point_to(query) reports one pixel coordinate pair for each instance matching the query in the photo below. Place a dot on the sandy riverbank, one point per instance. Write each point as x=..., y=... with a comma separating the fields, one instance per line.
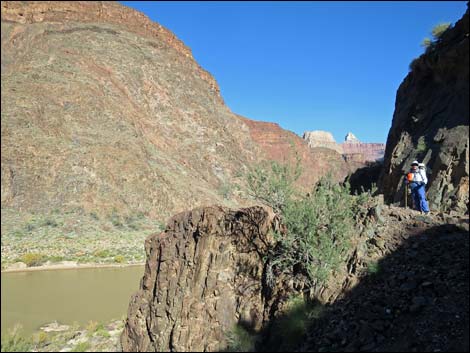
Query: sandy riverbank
x=66, y=265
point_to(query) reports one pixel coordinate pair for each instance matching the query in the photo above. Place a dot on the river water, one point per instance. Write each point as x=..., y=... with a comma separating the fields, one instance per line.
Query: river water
x=35, y=298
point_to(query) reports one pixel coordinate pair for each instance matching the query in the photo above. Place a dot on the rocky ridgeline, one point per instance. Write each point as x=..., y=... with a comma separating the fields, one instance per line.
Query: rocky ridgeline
x=431, y=123
x=352, y=149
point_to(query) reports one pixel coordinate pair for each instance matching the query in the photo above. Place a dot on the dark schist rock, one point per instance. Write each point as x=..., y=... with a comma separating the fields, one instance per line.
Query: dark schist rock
x=203, y=276
x=431, y=123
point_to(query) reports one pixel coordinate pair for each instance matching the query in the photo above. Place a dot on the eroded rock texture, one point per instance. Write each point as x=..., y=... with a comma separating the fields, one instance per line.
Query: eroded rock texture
x=431, y=121
x=203, y=276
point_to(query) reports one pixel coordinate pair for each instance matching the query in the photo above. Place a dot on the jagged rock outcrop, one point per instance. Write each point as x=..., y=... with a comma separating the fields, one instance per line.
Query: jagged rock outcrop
x=282, y=145
x=203, y=276
x=351, y=138
x=320, y=138
x=431, y=123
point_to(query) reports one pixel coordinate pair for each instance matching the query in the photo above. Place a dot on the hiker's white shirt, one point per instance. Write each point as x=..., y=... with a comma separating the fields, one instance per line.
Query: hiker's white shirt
x=420, y=175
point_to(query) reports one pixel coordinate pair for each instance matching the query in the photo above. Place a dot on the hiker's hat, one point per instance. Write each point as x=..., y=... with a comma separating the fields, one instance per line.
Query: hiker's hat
x=415, y=163
x=421, y=165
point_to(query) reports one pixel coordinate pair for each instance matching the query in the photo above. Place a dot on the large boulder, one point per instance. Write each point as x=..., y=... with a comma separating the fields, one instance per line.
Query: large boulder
x=203, y=276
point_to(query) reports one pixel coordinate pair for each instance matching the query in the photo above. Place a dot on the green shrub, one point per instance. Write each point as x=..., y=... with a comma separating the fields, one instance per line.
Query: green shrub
x=40, y=338
x=18, y=234
x=116, y=219
x=103, y=253
x=33, y=259
x=426, y=42
x=436, y=32
x=373, y=268
x=30, y=227
x=421, y=145
x=14, y=342
x=319, y=228
x=439, y=29
x=50, y=222
x=273, y=183
x=290, y=328
x=119, y=259
x=56, y=258
x=92, y=326
x=81, y=347
x=240, y=340
x=101, y=331
x=225, y=190
x=318, y=225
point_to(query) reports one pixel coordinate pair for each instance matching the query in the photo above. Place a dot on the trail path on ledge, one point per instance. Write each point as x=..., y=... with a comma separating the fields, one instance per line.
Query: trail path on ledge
x=415, y=295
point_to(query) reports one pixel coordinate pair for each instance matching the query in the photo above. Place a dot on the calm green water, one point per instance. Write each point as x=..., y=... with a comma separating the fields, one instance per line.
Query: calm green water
x=67, y=296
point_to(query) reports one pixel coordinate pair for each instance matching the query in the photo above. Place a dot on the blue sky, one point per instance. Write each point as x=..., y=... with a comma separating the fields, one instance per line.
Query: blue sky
x=333, y=66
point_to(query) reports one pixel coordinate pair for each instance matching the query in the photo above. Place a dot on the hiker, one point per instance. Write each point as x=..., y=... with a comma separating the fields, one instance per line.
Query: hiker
x=417, y=180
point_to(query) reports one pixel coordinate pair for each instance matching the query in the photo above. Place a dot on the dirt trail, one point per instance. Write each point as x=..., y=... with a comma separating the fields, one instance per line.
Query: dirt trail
x=416, y=299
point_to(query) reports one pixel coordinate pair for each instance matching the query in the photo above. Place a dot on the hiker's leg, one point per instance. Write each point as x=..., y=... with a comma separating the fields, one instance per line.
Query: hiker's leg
x=415, y=196
x=422, y=199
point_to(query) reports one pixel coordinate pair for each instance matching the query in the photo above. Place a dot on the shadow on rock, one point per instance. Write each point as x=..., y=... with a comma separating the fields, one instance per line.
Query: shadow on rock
x=416, y=299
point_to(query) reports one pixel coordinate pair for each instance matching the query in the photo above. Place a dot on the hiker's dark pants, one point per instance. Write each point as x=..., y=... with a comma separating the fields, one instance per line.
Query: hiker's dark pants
x=419, y=197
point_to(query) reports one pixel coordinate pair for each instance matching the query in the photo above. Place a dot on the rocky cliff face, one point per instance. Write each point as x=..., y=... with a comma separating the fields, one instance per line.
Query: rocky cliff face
x=278, y=144
x=366, y=152
x=431, y=123
x=320, y=138
x=203, y=276
x=103, y=109
x=352, y=149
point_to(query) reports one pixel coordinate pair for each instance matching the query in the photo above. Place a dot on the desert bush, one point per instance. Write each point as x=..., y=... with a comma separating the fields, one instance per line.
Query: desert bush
x=116, y=219
x=373, y=268
x=319, y=228
x=92, y=326
x=119, y=259
x=33, y=259
x=273, y=183
x=436, y=32
x=426, y=42
x=240, y=339
x=81, y=347
x=13, y=341
x=439, y=29
x=40, y=338
x=49, y=222
x=103, y=253
x=421, y=145
x=95, y=216
x=225, y=190
x=290, y=327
